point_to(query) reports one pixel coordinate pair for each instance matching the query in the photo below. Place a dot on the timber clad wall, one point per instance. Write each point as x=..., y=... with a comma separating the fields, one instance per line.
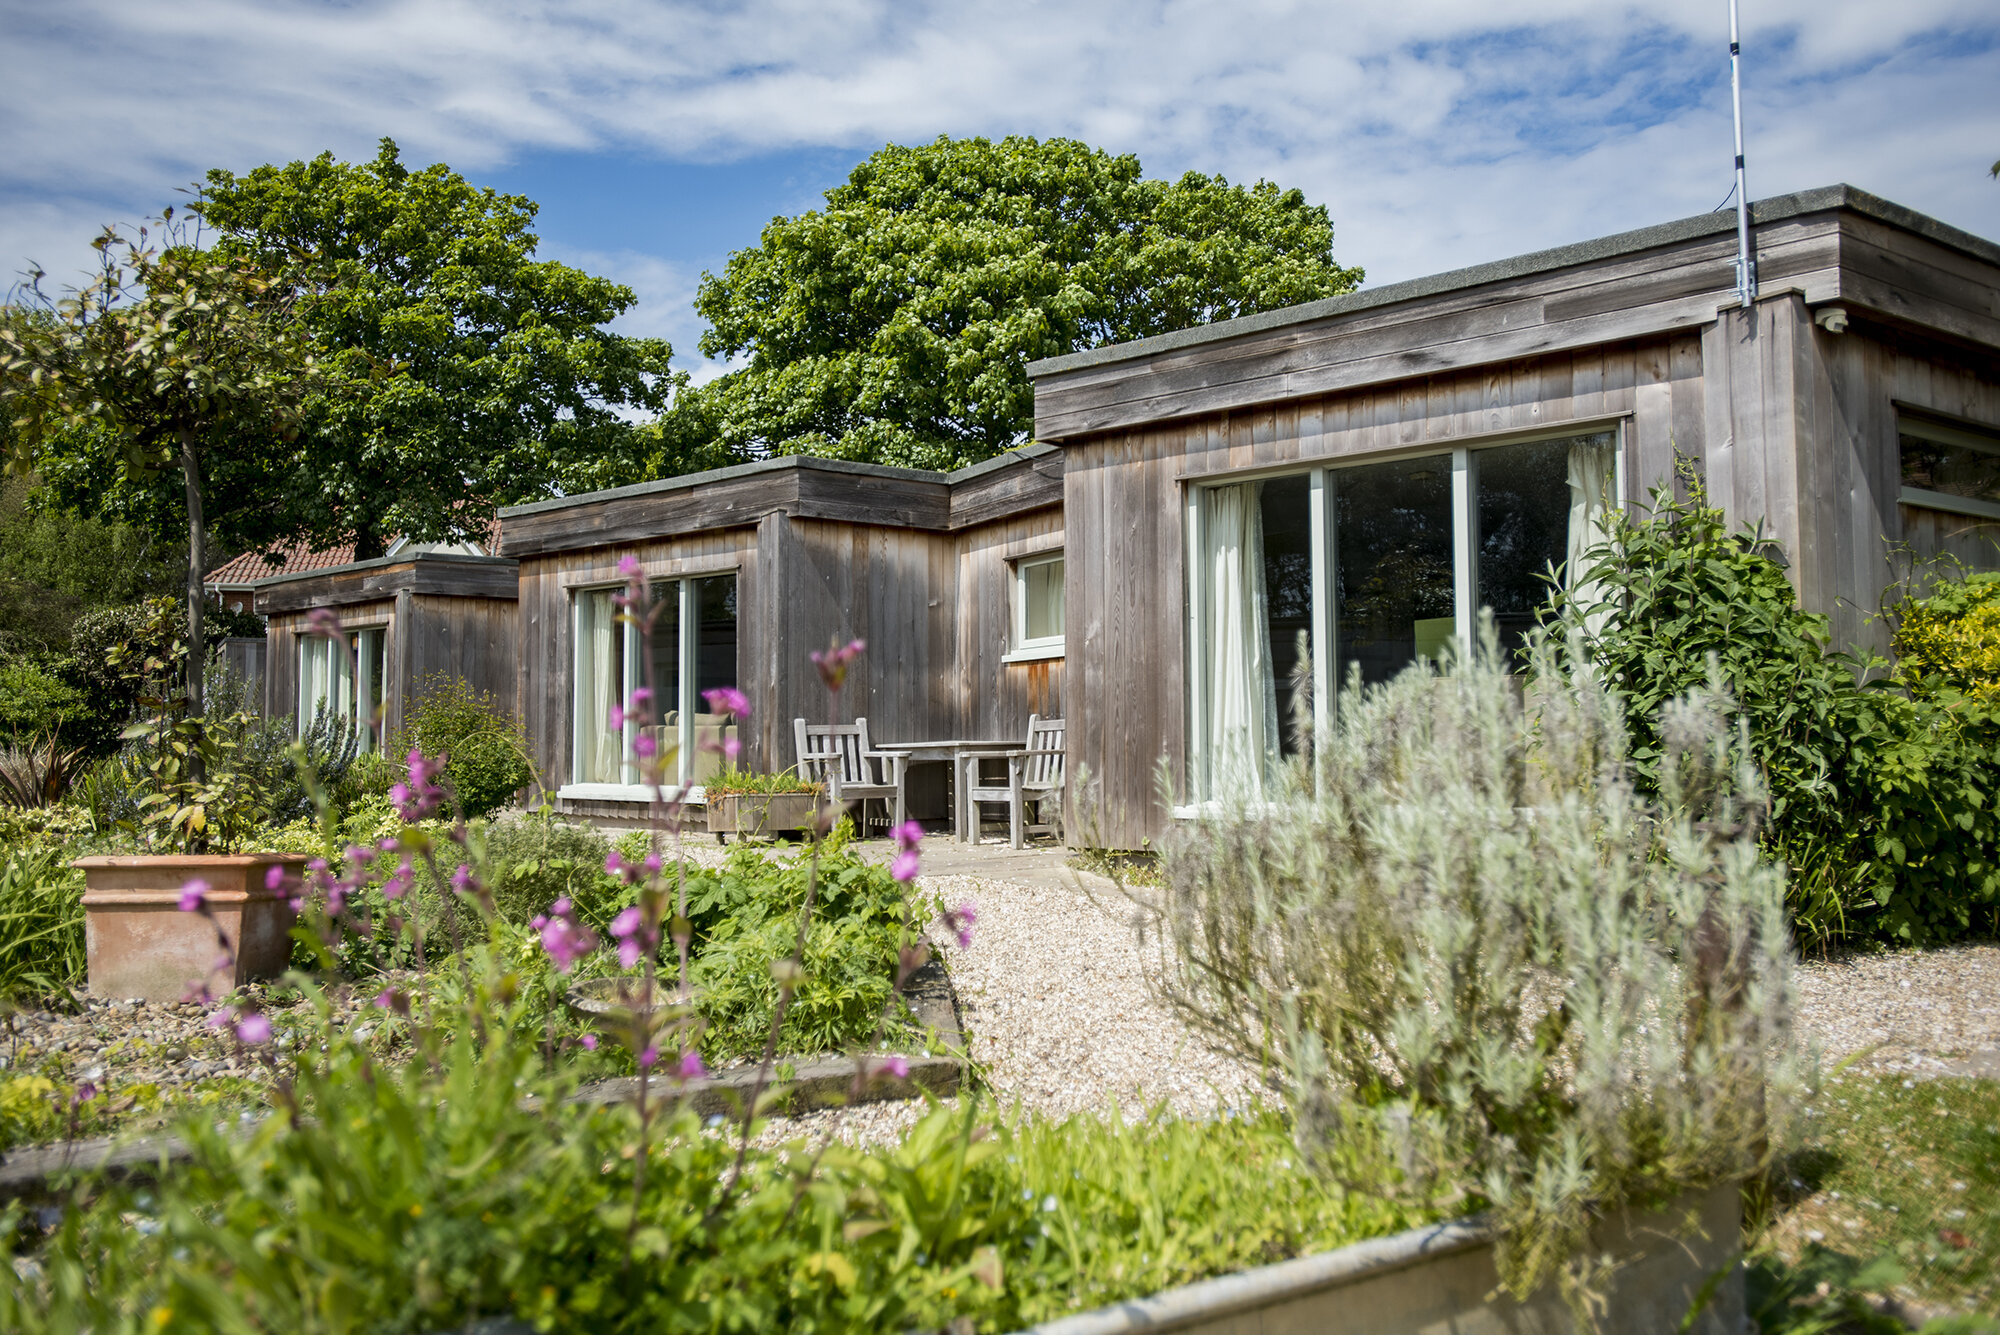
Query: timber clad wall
x=916, y=564
x=442, y=614
x=1791, y=426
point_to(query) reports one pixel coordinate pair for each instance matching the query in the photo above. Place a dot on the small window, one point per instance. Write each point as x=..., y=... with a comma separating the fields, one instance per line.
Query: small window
x=1954, y=468
x=343, y=677
x=1038, y=606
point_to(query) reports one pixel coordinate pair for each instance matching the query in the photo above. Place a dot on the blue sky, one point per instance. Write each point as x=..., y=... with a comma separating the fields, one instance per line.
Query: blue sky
x=659, y=135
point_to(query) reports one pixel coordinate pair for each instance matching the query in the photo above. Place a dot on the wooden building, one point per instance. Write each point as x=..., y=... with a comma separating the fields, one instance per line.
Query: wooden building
x=420, y=613
x=953, y=581
x=1374, y=468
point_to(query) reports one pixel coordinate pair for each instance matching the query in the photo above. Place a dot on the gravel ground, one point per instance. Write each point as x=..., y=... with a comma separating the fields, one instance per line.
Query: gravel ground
x=1923, y=1012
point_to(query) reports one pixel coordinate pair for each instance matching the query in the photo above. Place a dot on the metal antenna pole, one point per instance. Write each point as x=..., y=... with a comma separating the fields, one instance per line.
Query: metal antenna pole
x=1746, y=259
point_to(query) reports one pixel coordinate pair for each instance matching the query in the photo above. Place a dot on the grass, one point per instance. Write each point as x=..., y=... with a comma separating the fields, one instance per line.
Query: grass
x=1893, y=1191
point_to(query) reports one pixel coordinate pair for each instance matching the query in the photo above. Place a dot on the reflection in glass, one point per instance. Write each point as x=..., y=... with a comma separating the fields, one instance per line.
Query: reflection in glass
x=1524, y=503
x=1956, y=467
x=1285, y=510
x=1393, y=567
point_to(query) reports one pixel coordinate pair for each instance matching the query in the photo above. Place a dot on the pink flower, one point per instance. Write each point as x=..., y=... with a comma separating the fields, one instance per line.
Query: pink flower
x=220, y=1020
x=461, y=880
x=626, y=923
x=254, y=1028
x=628, y=565
x=727, y=700
x=629, y=951
x=905, y=866
x=897, y=1067
x=399, y=883
x=562, y=908
x=644, y=746
x=589, y=1042
x=649, y=1058
x=691, y=1067
x=614, y=720
x=960, y=920
x=641, y=697
x=908, y=835
x=274, y=877
x=564, y=939
x=194, y=896
x=323, y=622
x=653, y=864
x=389, y=999
x=832, y=663
x=731, y=748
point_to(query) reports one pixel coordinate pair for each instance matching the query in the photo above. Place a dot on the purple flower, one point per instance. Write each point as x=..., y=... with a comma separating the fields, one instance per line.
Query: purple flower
x=194, y=896
x=461, y=880
x=691, y=1067
x=653, y=864
x=628, y=565
x=629, y=951
x=727, y=700
x=626, y=923
x=898, y=1067
x=641, y=697
x=960, y=920
x=254, y=1028
x=562, y=908
x=274, y=877
x=614, y=720
x=649, y=1058
x=731, y=748
x=832, y=663
x=905, y=866
x=82, y=1094
x=589, y=1042
x=908, y=835
x=399, y=883
x=324, y=622
x=644, y=746
x=220, y=1020
x=564, y=939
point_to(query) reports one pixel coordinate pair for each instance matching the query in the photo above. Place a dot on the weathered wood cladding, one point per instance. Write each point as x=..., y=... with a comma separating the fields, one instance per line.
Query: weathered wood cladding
x=442, y=613
x=917, y=565
x=1828, y=245
x=1792, y=426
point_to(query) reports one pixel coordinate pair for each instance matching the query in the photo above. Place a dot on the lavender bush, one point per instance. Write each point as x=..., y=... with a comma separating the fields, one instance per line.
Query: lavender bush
x=1454, y=926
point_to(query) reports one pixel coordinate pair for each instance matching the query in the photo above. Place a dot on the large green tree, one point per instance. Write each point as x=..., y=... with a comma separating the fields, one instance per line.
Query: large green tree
x=460, y=373
x=897, y=324
x=176, y=367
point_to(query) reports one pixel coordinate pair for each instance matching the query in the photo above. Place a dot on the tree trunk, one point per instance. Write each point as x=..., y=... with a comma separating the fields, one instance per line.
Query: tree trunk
x=197, y=660
x=369, y=544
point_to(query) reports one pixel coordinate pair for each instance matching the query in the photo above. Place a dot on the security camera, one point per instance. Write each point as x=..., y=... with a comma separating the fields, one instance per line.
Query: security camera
x=1833, y=319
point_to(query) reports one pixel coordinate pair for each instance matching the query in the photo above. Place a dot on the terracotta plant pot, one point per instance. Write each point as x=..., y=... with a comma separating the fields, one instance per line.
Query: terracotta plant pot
x=138, y=942
x=760, y=813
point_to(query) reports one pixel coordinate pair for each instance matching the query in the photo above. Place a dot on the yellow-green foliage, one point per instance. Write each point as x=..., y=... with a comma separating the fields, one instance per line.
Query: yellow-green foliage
x=1951, y=640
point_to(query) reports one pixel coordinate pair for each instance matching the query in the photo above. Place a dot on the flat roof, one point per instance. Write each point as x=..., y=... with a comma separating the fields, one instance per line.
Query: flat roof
x=1776, y=209
x=785, y=463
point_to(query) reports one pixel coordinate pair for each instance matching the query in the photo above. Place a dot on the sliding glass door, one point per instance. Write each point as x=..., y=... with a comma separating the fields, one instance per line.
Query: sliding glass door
x=1377, y=566
x=692, y=649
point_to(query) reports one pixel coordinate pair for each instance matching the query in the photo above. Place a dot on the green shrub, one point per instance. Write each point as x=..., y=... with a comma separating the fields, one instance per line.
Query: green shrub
x=486, y=751
x=1949, y=642
x=41, y=923
x=108, y=649
x=535, y=860
x=35, y=702
x=1882, y=805
x=423, y=1197
x=1461, y=926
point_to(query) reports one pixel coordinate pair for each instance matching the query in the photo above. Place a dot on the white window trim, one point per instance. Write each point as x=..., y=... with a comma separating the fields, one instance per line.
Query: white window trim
x=628, y=792
x=1970, y=506
x=631, y=790
x=1024, y=649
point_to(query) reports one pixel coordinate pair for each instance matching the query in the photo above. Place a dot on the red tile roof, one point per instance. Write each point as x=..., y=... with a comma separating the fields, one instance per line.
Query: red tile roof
x=294, y=558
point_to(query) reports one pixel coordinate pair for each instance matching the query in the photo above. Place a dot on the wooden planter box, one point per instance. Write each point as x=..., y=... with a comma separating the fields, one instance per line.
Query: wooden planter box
x=138, y=942
x=760, y=813
x=1441, y=1278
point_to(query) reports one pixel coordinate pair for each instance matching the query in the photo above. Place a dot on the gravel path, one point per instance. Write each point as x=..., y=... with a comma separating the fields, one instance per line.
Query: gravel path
x=1924, y=1012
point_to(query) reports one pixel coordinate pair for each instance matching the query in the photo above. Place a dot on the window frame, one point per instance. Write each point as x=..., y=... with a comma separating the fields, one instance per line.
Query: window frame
x=1023, y=648
x=1324, y=479
x=356, y=677
x=1967, y=436
x=629, y=788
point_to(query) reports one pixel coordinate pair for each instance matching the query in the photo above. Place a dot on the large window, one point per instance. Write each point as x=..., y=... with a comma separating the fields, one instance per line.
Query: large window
x=343, y=677
x=692, y=649
x=1370, y=568
x=1038, y=607
x=1950, y=467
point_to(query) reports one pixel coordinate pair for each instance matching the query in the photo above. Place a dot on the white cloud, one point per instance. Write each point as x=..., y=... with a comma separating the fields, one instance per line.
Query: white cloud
x=1440, y=132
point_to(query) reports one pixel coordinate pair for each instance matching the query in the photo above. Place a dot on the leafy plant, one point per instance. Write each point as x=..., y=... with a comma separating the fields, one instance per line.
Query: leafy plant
x=1460, y=927
x=41, y=923
x=1949, y=641
x=35, y=701
x=37, y=774
x=1882, y=803
x=735, y=781
x=485, y=751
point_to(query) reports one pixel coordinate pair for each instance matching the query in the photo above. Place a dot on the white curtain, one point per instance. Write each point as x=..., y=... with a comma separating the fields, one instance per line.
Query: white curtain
x=1592, y=468
x=313, y=679
x=1242, y=716
x=599, y=748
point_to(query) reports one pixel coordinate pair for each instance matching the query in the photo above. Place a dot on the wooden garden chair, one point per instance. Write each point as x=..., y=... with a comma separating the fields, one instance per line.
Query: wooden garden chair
x=839, y=756
x=1034, y=776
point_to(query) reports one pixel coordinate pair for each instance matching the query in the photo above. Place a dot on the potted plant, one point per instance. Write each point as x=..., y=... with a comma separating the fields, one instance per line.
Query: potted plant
x=744, y=804
x=193, y=910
